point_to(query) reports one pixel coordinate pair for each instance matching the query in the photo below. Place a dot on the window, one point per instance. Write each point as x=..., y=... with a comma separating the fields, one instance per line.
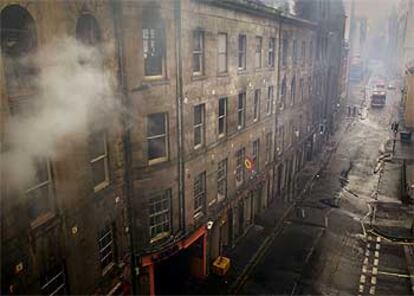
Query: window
x=160, y=215
x=285, y=48
x=54, y=282
x=199, y=194
x=87, y=30
x=40, y=194
x=256, y=105
x=255, y=154
x=105, y=244
x=268, y=147
x=271, y=53
x=198, y=52
x=18, y=39
x=199, y=125
x=303, y=52
x=283, y=93
x=269, y=100
x=310, y=52
x=293, y=91
x=241, y=110
x=301, y=86
x=281, y=139
x=222, y=180
x=157, y=139
x=99, y=160
x=240, y=156
x=222, y=52
x=153, y=49
x=222, y=117
x=242, y=52
x=258, y=53
x=294, y=51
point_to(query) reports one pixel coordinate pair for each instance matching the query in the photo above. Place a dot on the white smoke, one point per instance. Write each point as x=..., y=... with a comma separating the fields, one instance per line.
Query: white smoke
x=73, y=91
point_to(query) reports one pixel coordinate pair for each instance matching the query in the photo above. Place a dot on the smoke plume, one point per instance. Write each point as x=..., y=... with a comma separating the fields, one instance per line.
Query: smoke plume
x=72, y=91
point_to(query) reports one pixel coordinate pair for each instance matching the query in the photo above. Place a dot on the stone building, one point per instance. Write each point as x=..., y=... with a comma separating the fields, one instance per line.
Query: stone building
x=219, y=105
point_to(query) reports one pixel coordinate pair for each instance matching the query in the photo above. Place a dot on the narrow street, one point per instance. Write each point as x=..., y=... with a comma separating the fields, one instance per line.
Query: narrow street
x=323, y=247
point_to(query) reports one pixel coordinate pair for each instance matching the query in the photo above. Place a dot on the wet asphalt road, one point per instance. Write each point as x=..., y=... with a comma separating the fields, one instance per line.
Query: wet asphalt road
x=324, y=251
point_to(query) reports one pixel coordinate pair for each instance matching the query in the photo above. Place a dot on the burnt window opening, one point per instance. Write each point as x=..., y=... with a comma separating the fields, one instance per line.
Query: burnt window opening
x=87, y=30
x=18, y=41
x=153, y=42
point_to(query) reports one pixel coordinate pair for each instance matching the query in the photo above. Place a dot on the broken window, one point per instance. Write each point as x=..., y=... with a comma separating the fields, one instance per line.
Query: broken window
x=199, y=194
x=160, y=215
x=153, y=42
x=256, y=105
x=198, y=52
x=157, y=137
x=241, y=106
x=222, y=117
x=199, y=125
x=222, y=180
x=99, y=159
x=40, y=192
x=258, y=53
x=242, y=52
x=222, y=52
x=18, y=41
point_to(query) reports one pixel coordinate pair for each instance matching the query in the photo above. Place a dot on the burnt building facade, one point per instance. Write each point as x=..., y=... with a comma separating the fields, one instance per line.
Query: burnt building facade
x=220, y=104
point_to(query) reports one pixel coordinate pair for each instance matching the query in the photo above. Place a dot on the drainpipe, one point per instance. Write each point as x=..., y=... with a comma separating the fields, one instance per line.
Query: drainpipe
x=275, y=152
x=119, y=37
x=179, y=114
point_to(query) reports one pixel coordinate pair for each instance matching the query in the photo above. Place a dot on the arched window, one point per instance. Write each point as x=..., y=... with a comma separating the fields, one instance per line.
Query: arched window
x=18, y=40
x=87, y=30
x=153, y=42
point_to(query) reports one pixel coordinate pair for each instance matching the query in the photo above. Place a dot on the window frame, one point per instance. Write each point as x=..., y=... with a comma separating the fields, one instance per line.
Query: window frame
x=241, y=111
x=160, y=198
x=47, y=281
x=105, y=158
x=165, y=135
x=107, y=230
x=270, y=98
x=221, y=179
x=256, y=154
x=198, y=52
x=256, y=104
x=199, y=126
x=225, y=53
x=271, y=53
x=285, y=48
x=222, y=117
x=157, y=31
x=49, y=211
x=242, y=53
x=240, y=169
x=258, y=52
x=268, y=147
x=199, y=198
